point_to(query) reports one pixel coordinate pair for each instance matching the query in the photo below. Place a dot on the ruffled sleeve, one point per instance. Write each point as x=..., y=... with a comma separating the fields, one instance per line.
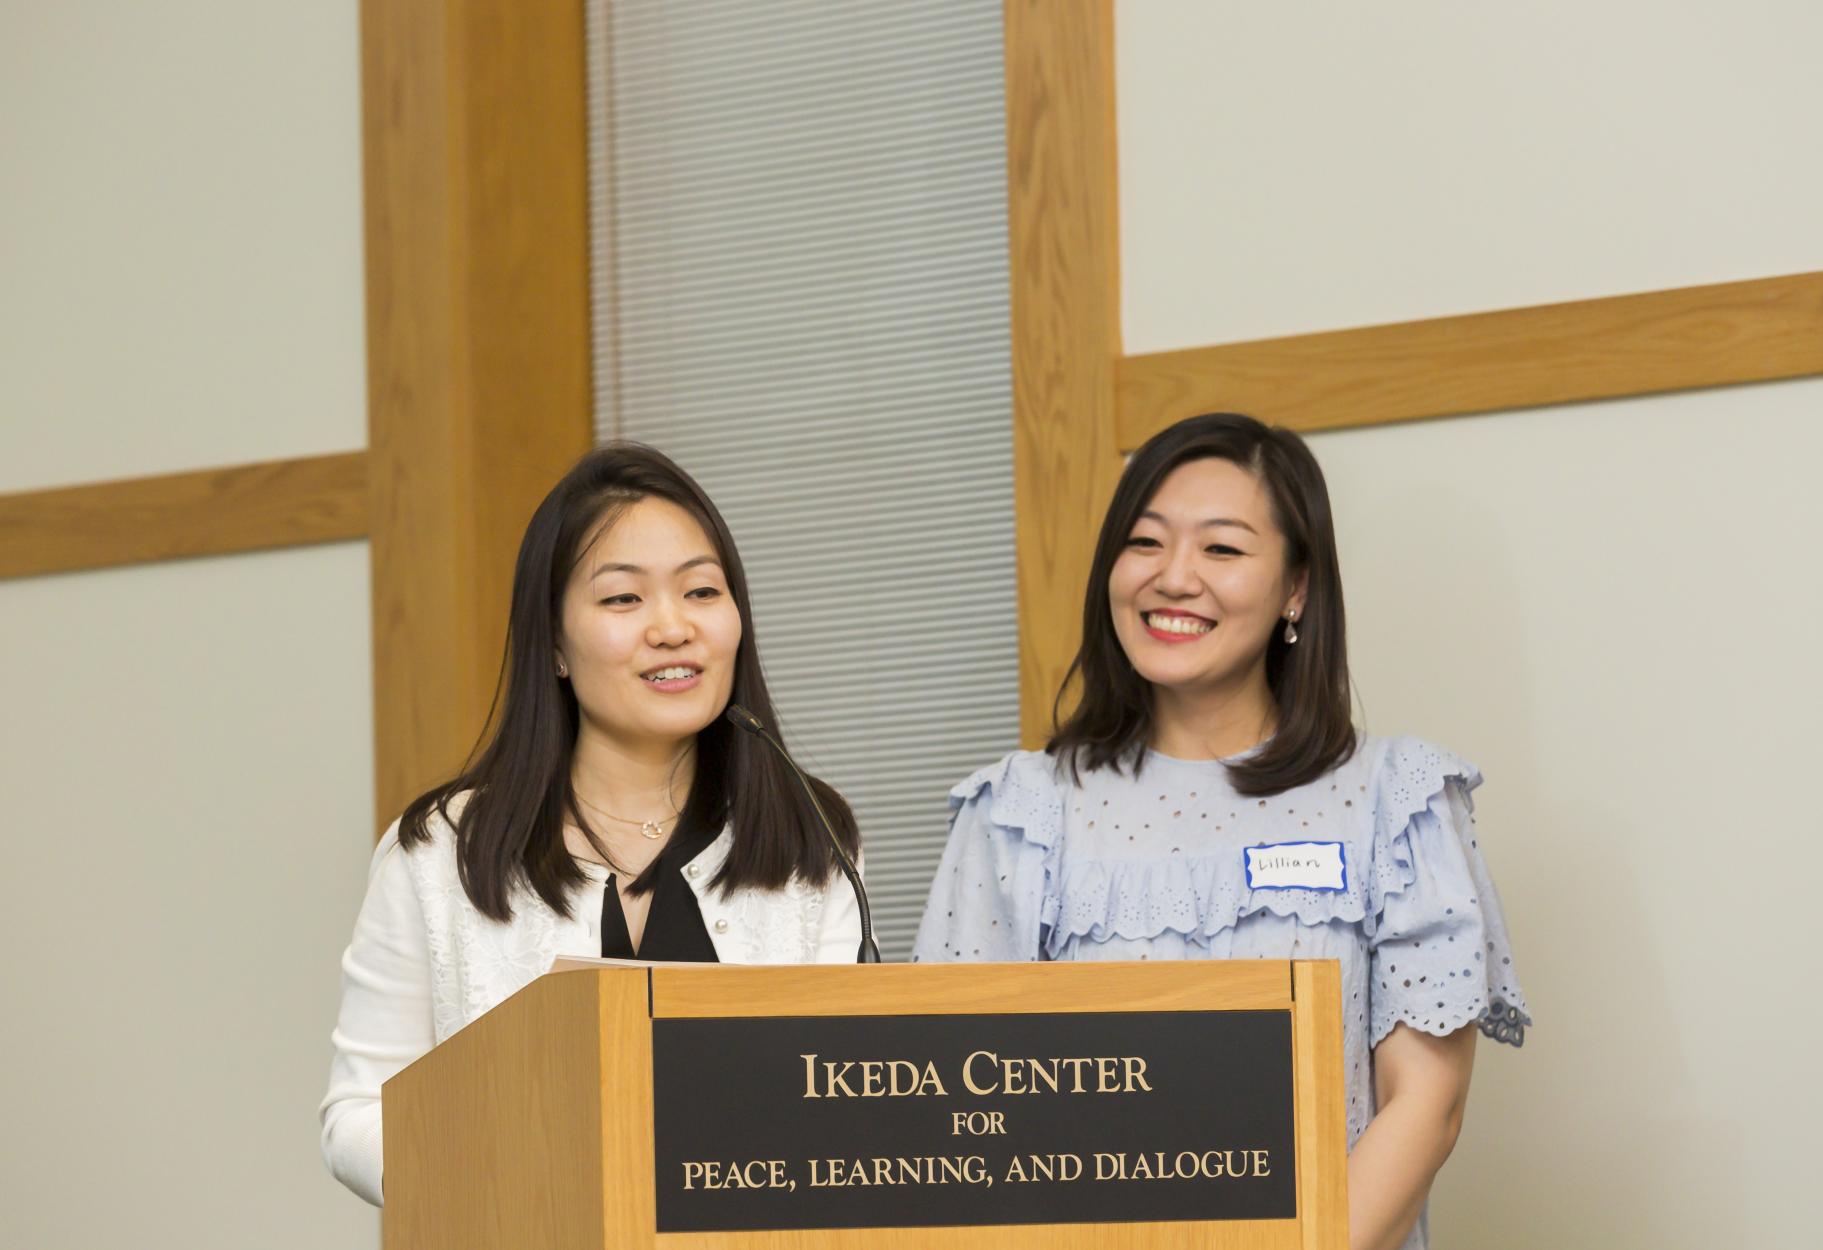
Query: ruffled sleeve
x=988, y=901
x=1437, y=936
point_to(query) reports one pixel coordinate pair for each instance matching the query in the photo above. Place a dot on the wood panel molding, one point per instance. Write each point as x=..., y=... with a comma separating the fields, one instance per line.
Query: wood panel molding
x=1064, y=241
x=475, y=162
x=280, y=503
x=1679, y=339
x=720, y=990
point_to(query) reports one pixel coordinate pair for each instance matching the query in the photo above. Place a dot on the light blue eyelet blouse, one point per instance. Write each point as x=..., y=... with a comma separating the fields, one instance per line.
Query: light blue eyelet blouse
x=1154, y=867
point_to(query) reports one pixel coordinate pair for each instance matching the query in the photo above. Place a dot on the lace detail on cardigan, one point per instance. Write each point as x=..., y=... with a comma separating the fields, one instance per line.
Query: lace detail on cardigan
x=475, y=962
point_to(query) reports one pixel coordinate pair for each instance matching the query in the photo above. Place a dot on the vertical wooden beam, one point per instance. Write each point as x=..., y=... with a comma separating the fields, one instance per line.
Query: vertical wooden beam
x=477, y=327
x=1063, y=203
x=1322, y=1151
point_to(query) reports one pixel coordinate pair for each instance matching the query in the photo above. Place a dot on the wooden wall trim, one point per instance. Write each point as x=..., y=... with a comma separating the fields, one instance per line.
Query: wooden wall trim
x=475, y=182
x=1522, y=358
x=1064, y=241
x=281, y=503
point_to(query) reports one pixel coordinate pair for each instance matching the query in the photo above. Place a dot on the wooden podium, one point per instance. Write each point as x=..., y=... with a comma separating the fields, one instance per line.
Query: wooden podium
x=575, y=1113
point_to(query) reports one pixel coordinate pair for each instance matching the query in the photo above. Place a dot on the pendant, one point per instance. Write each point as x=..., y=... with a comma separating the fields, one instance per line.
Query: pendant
x=651, y=829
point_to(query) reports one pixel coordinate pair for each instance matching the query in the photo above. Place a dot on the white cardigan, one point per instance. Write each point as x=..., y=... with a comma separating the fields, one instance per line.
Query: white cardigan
x=423, y=963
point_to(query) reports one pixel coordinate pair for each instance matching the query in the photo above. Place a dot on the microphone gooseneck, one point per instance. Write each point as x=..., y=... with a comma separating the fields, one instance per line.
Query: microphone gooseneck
x=747, y=722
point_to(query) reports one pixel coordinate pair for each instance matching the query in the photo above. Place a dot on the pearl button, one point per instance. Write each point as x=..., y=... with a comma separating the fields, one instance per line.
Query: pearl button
x=692, y=871
x=721, y=926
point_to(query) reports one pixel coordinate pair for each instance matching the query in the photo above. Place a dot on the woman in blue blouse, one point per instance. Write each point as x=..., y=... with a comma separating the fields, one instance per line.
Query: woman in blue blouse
x=1215, y=725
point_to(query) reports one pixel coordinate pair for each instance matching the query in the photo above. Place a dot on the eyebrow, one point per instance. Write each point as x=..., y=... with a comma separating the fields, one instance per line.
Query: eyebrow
x=685, y=567
x=1212, y=522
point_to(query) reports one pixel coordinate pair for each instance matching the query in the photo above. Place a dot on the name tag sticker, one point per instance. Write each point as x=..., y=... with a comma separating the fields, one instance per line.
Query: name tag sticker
x=1297, y=866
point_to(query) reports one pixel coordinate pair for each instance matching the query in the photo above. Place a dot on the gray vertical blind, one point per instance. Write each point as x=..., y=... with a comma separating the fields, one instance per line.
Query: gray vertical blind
x=801, y=294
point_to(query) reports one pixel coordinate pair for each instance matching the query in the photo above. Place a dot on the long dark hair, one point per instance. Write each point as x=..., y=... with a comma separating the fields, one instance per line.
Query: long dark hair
x=509, y=831
x=1309, y=680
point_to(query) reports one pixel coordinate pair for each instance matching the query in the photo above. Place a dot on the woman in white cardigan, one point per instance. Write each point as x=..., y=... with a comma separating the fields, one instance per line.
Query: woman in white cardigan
x=613, y=811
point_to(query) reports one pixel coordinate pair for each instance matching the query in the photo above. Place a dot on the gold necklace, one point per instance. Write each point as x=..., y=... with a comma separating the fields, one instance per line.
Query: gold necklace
x=652, y=830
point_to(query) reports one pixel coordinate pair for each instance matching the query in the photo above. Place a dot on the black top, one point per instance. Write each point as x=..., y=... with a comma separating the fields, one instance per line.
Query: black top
x=675, y=932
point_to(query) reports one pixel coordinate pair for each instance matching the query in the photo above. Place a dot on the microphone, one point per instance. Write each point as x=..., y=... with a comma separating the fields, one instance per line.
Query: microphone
x=749, y=723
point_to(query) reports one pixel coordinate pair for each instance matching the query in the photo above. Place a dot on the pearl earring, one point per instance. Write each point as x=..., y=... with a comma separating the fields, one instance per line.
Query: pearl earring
x=563, y=670
x=1291, y=627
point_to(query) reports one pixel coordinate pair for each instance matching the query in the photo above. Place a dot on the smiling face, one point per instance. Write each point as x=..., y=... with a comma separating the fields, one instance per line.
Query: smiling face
x=1202, y=583
x=649, y=630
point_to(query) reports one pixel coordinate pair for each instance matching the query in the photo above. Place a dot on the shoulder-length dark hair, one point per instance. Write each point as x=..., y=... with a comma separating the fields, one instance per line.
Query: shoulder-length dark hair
x=1112, y=724
x=509, y=830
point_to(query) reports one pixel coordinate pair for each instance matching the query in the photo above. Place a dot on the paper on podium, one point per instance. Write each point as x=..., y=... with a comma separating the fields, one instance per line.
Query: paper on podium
x=582, y=963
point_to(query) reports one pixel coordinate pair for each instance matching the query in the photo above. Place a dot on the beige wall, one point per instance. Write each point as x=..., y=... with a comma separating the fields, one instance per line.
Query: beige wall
x=1608, y=607
x=1287, y=168
x=185, y=816
x=186, y=784
x=180, y=236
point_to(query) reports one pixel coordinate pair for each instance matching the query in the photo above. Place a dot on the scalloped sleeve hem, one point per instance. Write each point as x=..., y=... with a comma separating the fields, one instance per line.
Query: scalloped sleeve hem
x=1440, y=954
x=988, y=899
